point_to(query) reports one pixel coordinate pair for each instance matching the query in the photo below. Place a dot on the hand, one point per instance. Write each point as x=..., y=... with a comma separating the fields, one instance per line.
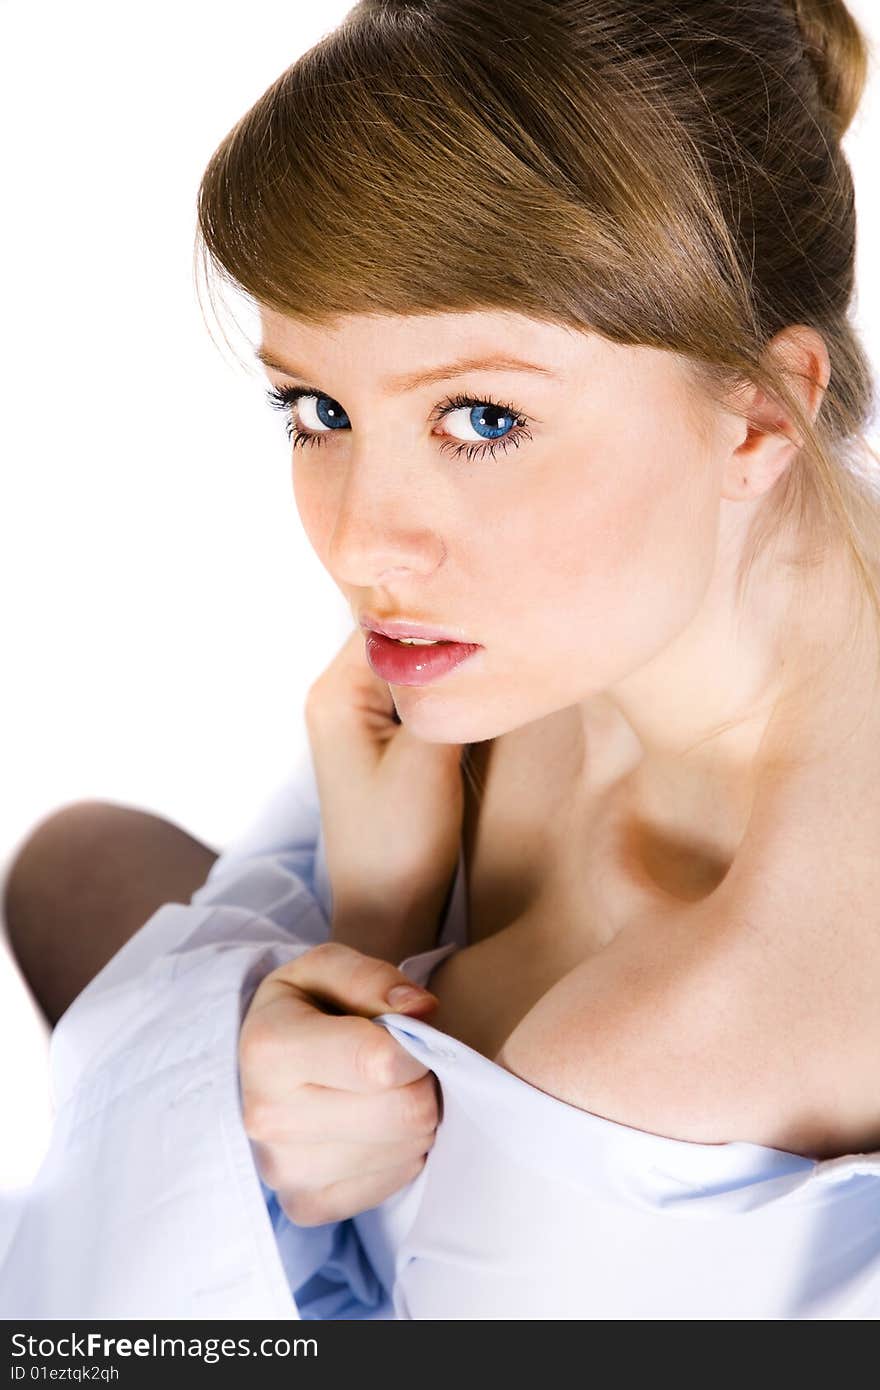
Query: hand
x=392, y=807
x=338, y=1113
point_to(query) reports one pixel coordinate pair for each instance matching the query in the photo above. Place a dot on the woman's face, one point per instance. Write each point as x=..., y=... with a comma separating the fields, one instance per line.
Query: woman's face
x=577, y=552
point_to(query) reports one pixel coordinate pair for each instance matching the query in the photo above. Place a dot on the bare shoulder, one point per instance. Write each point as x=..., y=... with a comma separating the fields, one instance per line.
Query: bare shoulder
x=750, y=1014
x=724, y=1020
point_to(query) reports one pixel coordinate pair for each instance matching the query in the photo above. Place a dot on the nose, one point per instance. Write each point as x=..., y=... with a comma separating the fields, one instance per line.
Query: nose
x=385, y=526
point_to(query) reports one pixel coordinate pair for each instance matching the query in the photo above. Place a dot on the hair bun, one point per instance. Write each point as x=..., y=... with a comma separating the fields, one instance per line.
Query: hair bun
x=836, y=48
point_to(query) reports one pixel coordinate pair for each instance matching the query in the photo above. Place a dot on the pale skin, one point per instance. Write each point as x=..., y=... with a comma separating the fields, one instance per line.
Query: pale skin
x=672, y=872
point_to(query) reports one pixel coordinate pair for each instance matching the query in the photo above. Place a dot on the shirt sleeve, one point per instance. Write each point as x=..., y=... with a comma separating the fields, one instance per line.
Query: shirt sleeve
x=148, y=1202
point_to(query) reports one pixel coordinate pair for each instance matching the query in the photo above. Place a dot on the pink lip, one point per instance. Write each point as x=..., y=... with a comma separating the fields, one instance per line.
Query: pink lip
x=399, y=627
x=400, y=665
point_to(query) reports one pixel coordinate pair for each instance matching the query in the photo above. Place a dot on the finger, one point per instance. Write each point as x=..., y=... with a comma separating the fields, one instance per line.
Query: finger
x=397, y=1113
x=348, y=1197
x=295, y=1164
x=290, y=1042
x=349, y=980
x=348, y=684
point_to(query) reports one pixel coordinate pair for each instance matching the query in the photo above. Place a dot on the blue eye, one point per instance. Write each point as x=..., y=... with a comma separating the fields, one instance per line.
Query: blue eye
x=497, y=425
x=504, y=425
x=480, y=417
x=329, y=412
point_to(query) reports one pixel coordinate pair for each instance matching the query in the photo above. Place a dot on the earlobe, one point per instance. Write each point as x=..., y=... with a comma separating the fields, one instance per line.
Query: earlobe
x=772, y=441
x=755, y=465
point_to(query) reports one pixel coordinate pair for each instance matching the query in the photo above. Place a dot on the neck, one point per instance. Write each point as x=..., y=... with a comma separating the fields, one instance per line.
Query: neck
x=745, y=699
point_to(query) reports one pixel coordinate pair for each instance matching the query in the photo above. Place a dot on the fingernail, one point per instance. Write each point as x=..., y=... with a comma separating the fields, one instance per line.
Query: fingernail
x=408, y=996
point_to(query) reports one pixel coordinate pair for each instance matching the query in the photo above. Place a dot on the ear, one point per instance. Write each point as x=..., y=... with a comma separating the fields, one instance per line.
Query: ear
x=771, y=442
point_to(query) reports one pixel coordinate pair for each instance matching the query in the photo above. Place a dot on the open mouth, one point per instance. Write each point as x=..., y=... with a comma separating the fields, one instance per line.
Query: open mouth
x=415, y=661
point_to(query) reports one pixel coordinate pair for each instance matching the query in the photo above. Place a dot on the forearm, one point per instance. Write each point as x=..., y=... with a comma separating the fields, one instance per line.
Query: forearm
x=393, y=928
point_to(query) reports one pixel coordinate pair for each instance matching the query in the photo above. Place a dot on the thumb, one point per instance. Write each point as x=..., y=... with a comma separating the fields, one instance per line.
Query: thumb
x=354, y=983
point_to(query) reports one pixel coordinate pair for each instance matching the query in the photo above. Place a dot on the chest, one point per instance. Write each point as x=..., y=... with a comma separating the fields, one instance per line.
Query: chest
x=779, y=984
x=551, y=879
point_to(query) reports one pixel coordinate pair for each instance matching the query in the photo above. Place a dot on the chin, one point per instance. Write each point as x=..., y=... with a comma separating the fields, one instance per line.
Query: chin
x=435, y=716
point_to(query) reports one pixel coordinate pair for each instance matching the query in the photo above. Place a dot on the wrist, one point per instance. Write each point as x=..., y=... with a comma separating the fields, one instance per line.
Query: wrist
x=392, y=929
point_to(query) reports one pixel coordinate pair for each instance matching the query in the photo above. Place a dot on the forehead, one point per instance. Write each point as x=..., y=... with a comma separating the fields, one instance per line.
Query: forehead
x=399, y=335
x=406, y=350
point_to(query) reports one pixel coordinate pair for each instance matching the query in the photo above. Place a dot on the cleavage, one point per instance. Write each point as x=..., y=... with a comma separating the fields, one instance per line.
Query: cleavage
x=546, y=888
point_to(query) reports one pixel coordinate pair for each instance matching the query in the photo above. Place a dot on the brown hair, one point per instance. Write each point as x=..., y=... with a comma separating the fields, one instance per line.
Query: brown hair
x=664, y=175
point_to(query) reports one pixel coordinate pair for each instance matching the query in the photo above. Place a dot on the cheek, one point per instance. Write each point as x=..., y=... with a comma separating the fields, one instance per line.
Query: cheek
x=652, y=547
x=618, y=541
x=315, y=507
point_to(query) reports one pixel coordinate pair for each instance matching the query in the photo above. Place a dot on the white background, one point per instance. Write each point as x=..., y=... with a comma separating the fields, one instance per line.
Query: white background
x=163, y=613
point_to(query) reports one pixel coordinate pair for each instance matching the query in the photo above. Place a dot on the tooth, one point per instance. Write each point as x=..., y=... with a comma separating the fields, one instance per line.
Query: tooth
x=418, y=641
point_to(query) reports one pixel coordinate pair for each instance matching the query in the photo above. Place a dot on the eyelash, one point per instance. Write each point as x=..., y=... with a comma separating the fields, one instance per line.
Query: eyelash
x=286, y=398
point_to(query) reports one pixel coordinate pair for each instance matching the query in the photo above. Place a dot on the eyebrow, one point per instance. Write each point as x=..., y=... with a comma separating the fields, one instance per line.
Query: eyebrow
x=410, y=381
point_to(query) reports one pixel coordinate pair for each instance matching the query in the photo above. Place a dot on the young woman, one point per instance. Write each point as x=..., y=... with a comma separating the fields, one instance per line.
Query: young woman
x=555, y=298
